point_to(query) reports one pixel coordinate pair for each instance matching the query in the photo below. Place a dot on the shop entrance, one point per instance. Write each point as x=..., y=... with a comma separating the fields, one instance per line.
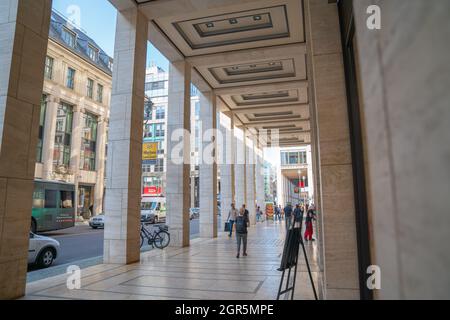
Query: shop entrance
x=85, y=201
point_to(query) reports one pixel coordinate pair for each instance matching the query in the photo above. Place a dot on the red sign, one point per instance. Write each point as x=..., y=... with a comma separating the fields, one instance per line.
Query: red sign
x=153, y=190
x=301, y=184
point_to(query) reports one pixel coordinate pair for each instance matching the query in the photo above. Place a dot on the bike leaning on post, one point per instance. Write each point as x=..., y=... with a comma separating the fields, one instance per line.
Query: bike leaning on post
x=159, y=238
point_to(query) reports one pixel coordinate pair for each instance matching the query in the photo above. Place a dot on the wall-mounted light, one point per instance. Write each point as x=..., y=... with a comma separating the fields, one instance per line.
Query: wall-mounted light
x=257, y=18
x=210, y=25
x=233, y=21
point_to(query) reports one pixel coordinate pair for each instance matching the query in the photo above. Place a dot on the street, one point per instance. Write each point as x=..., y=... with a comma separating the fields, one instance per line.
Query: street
x=77, y=243
x=82, y=242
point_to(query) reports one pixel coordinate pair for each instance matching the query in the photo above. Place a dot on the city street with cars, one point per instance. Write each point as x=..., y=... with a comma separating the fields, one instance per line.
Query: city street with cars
x=84, y=242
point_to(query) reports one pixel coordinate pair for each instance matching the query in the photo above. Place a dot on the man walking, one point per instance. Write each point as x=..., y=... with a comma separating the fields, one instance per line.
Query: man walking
x=277, y=213
x=246, y=213
x=232, y=214
x=288, y=215
x=298, y=213
x=242, y=222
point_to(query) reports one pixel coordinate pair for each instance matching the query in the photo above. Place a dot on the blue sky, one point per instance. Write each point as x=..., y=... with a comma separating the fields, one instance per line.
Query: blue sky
x=98, y=19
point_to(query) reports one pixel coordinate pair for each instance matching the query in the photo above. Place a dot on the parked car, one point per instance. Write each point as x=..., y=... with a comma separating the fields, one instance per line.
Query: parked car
x=42, y=251
x=97, y=221
x=148, y=217
x=194, y=213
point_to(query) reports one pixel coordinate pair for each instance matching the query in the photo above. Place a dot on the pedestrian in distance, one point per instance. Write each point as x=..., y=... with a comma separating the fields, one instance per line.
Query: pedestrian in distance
x=232, y=215
x=288, y=215
x=277, y=213
x=298, y=213
x=246, y=213
x=310, y=217
x=242, y=222
x=259, y=214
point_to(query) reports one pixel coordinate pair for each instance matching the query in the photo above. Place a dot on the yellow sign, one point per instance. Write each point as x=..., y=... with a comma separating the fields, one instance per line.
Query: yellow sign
x=150, y=151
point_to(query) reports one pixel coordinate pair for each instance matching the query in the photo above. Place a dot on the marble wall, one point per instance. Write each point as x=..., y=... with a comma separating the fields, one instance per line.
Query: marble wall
x=405, y=80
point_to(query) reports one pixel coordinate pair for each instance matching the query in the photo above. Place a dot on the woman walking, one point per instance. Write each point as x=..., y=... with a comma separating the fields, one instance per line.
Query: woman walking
x=310, y=217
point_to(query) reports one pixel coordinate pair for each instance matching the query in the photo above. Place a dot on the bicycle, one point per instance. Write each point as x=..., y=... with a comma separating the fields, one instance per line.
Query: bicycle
x=159, y=239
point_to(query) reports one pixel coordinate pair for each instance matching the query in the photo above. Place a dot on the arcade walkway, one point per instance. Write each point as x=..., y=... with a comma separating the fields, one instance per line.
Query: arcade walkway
x=208, y=269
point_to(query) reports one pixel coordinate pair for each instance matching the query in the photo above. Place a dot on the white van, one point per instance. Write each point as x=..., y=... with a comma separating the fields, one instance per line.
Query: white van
x=153, y=209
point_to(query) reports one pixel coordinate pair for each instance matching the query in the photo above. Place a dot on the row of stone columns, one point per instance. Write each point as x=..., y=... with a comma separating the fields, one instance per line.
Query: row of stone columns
x=20, y=97
x=241, y=172
x=124, y=169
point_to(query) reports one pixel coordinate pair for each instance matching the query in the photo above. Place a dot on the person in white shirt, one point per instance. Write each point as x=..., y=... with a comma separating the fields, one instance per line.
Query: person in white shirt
x=232, y=214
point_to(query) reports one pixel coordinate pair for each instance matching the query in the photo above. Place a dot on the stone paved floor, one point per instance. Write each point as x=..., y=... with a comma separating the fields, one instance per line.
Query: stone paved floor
x=208, y=269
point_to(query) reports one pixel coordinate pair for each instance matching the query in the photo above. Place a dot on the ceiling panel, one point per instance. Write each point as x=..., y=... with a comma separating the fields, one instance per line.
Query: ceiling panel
x=263, y=23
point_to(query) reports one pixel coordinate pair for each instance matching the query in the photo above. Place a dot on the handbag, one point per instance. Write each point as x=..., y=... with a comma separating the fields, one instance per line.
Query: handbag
x=227, y=226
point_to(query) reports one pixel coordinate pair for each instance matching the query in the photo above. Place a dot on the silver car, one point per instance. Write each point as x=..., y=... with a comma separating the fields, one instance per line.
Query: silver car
x=42, y=251
x=97, y=221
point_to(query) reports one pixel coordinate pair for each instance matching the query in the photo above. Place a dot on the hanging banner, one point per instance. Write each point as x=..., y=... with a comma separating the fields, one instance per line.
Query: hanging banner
x=149, y=152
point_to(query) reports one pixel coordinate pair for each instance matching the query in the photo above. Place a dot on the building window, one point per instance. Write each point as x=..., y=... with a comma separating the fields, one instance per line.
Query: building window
x=303, y=158
x=159, y=167
x=197, y=109
x=41, y=128
x=159, y=131
x=100, y=93
x=194, y=91
x=148, y=110
x=90, y=88
x=93, y=53
x=148, y=131
x=160, y=112
x=293, y=158
x=161, y=147
x=63, y=136
x=88, y=142
x=159, y=85
x=70, y=78
x=48, y=67
x=68, y=37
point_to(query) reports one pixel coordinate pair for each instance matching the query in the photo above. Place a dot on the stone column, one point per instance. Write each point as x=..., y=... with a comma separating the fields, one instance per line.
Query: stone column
x=226, y=170
x=192, y=179
x=124, y=165
x=239, y=168
x=24, y=29
x=208, y=166
x=331, y=114
x=250, y=180
x=259, y=179
x=100, y=165
x=178, y=153
x=75, y=147
x=49, y=137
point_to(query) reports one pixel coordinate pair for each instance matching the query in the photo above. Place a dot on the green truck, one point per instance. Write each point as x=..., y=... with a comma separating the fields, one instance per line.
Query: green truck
x=53, y=206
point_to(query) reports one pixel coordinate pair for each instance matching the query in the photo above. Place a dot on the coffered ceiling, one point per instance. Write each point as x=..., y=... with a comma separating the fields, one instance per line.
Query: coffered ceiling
x=251, y=52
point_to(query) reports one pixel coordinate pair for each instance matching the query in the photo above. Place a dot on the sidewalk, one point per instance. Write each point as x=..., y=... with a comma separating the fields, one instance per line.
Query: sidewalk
x=208, y=269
